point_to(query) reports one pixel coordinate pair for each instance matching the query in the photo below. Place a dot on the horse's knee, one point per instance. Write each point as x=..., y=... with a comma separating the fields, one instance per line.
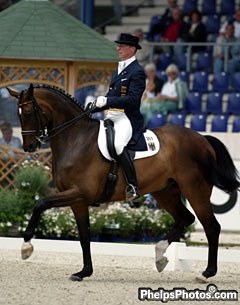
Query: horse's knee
x=39, y=208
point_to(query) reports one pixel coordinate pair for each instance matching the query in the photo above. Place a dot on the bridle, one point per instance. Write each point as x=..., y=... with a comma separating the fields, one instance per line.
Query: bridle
x=41, y=133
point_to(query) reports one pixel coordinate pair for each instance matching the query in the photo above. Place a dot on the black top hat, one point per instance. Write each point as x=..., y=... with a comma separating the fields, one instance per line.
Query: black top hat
x=129, y=40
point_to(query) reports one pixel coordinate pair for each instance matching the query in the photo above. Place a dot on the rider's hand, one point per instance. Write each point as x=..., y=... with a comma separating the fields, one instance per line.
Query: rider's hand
x=101, y=101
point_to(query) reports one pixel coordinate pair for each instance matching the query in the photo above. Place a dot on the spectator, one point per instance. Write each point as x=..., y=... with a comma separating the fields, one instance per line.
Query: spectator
x=158, y=27
x=7, y=136
x=154, y=86
x=177, y=29
x=143, y=56
x=236, y=22
x=172, y=96
x=197, y=30
x=220, y=49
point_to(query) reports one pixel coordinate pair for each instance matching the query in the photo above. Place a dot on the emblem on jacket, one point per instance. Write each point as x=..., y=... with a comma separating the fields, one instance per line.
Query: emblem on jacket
x=123, y=90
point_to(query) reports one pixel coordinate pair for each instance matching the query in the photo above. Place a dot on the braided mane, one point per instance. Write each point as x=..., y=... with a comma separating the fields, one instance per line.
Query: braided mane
x=68, y=97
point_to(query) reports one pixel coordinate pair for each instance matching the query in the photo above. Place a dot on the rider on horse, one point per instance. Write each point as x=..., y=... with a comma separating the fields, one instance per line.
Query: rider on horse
x=123, y=104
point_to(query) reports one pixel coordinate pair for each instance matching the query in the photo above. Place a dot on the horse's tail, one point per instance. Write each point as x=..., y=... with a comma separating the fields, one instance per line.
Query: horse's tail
x=222, y=172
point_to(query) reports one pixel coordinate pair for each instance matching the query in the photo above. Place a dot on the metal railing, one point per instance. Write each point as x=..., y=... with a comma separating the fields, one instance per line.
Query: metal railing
x=189, y=50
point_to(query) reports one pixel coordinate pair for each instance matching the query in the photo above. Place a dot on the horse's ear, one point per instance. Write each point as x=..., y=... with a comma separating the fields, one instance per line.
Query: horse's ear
x=13, y=92
x=30, y=89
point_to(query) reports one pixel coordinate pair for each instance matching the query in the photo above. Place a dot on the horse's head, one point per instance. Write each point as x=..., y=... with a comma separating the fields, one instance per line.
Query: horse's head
x=32, y=118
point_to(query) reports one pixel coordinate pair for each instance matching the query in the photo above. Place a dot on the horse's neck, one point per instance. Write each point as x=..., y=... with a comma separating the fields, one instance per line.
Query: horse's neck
x=59, y=107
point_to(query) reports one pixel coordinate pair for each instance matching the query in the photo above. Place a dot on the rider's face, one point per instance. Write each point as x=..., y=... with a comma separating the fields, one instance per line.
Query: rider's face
x=125, y=51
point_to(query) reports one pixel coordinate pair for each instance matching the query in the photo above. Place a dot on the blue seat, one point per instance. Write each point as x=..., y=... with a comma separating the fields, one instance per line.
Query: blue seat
x=200, y=81
x=236, y=124
x=227, y=7
x=214, y=103
x=194, y=102
x=177, y=119
x=219, y=123
x=198, y=122
x=212, y=24
x=164, y=60
x=204, y=62
x=221, y=82
x=208, y=7
x=162, y=75
x=189, y=5
x=156, y=120
x=236, y=81
x=181, y=62
x=233, y=103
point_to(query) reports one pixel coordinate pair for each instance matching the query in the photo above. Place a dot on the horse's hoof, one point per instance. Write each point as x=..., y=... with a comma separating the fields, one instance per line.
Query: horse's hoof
x=161, y=263
x=202, y=279
x=27, y=250
x=75, y=277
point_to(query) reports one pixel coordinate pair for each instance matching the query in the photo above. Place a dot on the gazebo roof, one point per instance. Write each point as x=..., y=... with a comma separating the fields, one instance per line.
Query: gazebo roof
x=38, y=29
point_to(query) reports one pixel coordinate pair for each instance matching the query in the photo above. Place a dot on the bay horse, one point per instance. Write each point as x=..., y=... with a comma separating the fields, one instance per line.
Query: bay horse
x=188, y=164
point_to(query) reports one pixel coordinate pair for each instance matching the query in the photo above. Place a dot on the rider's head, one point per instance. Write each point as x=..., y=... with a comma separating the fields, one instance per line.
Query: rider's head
x=127, y=46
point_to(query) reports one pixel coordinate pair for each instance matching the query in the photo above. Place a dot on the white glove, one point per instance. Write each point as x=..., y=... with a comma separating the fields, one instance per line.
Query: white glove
x=101, y=101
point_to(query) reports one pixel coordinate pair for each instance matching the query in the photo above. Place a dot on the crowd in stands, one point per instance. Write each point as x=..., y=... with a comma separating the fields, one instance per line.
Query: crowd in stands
x=211, y=88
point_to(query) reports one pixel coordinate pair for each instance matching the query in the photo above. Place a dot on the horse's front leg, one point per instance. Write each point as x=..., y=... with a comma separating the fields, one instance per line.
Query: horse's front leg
x=81, y=214
x=62, y=199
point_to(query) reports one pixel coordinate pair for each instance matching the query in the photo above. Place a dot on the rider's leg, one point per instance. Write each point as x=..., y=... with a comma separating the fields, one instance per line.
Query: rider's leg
x=123, y=134
x=125, y=160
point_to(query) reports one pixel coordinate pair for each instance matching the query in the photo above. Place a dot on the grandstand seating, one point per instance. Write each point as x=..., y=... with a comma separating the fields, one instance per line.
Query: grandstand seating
x=221, y=82
x=214, y=103
x=227, y=7
x=181, y=62
x=156, y=120
x=189, y=5
x=162, y=75
x=236, y=81
x=177, y=118
x=200, y=81
x=194, y=102
x=198, y=122
x=236, y=124
x=211, y=99
x=219, y=123
x=212, y=24
x=233, y=103
x=208, y=7
x=164, y=59
x=204, y=61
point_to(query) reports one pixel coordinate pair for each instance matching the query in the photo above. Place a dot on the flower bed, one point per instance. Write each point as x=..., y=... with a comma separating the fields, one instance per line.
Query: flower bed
x=116, y=223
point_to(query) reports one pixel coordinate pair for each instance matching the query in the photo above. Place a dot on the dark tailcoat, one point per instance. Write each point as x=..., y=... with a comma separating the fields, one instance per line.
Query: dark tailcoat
x=125, y=92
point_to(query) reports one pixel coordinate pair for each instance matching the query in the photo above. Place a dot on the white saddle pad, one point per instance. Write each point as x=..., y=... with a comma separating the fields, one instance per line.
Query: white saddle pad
x=152, y=142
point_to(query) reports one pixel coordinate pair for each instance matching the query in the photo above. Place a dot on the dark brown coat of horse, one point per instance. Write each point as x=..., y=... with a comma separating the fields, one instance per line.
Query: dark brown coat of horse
x=188, y=164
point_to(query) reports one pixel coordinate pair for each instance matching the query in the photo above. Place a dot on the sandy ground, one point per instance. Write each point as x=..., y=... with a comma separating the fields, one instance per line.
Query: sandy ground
x=43, y=279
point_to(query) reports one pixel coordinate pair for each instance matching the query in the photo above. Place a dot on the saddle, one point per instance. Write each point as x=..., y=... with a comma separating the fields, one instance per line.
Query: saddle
x=146, y=146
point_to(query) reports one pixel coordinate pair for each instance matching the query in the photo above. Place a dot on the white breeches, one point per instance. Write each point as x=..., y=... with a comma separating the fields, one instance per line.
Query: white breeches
x=123, y=129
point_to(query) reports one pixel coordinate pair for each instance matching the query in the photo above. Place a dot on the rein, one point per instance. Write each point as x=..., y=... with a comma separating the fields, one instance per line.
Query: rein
x=41, y=133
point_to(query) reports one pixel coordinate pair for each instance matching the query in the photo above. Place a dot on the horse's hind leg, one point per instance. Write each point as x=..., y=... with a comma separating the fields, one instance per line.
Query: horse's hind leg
x=199, y=198
x=170, y=200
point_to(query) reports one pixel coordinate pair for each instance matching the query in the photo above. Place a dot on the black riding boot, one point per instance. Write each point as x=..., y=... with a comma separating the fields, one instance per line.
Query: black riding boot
x=125, y=160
